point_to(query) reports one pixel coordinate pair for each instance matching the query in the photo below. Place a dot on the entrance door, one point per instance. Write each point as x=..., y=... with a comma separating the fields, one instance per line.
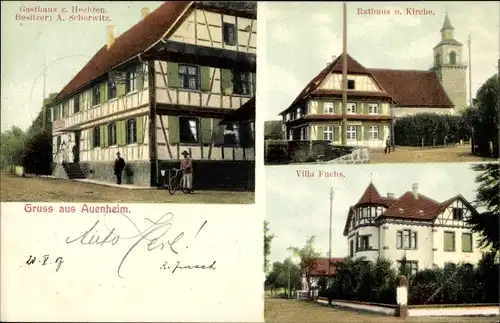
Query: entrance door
x=76, y=147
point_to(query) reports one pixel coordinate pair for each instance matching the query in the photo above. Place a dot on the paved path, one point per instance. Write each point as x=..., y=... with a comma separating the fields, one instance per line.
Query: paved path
x=289, y=311
x=127, y=186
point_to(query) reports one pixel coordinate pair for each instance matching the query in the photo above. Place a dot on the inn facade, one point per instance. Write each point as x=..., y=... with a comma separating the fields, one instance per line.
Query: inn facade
x=168, y=84
x=376, y=97
x=425, y=232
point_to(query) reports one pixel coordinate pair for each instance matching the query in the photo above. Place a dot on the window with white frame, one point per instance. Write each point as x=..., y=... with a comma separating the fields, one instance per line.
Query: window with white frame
x=328, y=107
x=131, y=84
x=298, y=113
x=351, y=133
x=373, y=131
x=412, y=266
x=373, y=108
x=287, y=117
x=406, y=239
x=328, y=133
x=290, y=134
x=351, y=108
x=304, y=134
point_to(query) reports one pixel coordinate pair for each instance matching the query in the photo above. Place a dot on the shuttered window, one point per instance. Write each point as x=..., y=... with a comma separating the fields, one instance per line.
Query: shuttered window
x=131, y=131
x=112, y=134
x=96, y=137
x=449, y=241
x=466, y=242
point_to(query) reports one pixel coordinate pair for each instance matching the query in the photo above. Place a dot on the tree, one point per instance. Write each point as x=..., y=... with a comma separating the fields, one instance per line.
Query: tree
x=284, y=275
x=487, y=196
x=307, y=256
x=12, y=145
x=268, y=238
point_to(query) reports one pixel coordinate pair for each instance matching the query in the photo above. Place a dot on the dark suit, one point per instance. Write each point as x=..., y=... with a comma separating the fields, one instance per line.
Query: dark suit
x=118, y=169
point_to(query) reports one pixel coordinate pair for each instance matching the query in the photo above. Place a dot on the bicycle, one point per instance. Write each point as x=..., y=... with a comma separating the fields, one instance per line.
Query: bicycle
x=175, y=182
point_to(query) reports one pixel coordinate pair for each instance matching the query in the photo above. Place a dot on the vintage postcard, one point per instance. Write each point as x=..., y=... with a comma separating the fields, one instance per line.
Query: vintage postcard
x=379, y=82
x=344, y=234
x=128, y=167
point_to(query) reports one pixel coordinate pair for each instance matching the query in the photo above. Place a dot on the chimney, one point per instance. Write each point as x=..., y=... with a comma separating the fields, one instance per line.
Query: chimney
x=144, y=12
x=414, y=189
x=111, y=35
x=391, y=196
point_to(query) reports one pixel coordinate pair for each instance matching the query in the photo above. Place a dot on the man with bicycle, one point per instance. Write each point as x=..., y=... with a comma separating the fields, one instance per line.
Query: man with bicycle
x=187, y=172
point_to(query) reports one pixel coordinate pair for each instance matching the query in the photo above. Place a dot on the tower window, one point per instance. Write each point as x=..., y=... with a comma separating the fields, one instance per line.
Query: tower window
x=438, y=59
x=453, y=58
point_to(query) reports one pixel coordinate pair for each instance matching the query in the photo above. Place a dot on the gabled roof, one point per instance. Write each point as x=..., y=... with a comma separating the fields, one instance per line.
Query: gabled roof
x=353, y=67
x=140, y=37
x=413, y=88
x=320, y=266
x=408, y=206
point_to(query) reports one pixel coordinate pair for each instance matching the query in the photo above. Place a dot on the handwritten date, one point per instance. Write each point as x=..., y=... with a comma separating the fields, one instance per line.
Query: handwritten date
x=45, y=261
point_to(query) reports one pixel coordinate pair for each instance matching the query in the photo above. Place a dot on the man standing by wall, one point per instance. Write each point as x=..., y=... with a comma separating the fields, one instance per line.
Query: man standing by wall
x=118, y=169
x=187, y=172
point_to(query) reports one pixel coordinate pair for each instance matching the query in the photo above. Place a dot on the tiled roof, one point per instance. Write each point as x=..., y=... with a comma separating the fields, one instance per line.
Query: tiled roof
x=370, y=196
x=406, y=87
x=374, y=117
x=409, y=207
x=413, y=88
x=320, y=266
x=134, y=41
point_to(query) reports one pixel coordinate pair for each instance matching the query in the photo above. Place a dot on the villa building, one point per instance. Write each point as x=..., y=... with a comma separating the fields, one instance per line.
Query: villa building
x=375, y=97
x=171, y=83
x=414, y=227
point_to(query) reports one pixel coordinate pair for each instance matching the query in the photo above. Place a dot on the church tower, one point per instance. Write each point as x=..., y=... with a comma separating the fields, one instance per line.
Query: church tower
x=449, y=66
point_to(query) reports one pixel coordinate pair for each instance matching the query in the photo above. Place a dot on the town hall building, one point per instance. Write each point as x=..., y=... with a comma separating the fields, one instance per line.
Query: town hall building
x=375, y=97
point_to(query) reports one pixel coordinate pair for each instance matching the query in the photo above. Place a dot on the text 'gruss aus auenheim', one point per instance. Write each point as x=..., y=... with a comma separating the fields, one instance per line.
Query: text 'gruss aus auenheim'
x=85, y=208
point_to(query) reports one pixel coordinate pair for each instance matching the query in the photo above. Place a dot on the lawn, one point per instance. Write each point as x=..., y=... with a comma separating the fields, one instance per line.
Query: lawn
x=427, y=155
x=19, y=189
x=281, y=310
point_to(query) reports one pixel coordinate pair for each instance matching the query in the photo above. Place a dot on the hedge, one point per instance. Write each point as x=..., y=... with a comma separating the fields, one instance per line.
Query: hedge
x=430, y=129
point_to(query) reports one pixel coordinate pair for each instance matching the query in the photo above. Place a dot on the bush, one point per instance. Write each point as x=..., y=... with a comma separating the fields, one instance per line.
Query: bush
x=365, y=281
x=37, y=155
x=430, y=128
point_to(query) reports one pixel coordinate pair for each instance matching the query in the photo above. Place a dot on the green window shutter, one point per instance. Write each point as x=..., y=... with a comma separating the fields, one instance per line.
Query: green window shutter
x=106, y=134
x=140, y=129
x=321, y=133
x=449, y=243
x=121, y=133
x=226, y=81
x=103, y=91
x=358, y=133
x=381, y=132
x=218, y=132
x=336, y=133
x=363, y=108
x=321, y=107
x=337, y=107
x=173, y=130
x=206, y=130
x=90, y=138
x=367, y=132
x=173, y=75
x=140, y=77
x=101, y=135
x=120, y=85
x=466, y=242
x=205, y=78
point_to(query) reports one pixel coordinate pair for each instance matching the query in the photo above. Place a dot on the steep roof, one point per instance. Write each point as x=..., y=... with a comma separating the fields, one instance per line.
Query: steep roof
x=447, y=23
x=320, y=266
x=370, y=196
x=134, y=41
x=412, y=88
x=353, y=67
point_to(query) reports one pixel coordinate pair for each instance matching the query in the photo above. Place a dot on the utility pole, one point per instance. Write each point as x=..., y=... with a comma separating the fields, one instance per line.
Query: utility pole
x=344, y=80
x=44, y=110
x=470, y=74
x=332, y=194
x=289, y=278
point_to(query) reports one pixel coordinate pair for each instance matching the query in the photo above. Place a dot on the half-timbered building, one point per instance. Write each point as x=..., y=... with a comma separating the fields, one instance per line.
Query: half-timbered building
x=376, y=96
x=424, y=232
x=163, y=87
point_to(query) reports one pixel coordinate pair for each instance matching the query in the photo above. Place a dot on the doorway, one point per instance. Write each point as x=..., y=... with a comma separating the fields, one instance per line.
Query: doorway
x=76, y=147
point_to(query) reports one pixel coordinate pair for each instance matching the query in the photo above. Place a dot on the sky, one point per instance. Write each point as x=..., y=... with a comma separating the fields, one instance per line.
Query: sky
x=66, y=47
x=298, y=208
x=302, y=37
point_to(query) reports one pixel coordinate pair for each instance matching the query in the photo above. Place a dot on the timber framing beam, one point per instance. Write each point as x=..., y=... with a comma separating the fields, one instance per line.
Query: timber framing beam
x=152, y=123
x=186, y=110
x=173, y=51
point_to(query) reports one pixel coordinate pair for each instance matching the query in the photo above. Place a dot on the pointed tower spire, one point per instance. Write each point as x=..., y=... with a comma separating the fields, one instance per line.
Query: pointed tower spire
x=447, y=23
